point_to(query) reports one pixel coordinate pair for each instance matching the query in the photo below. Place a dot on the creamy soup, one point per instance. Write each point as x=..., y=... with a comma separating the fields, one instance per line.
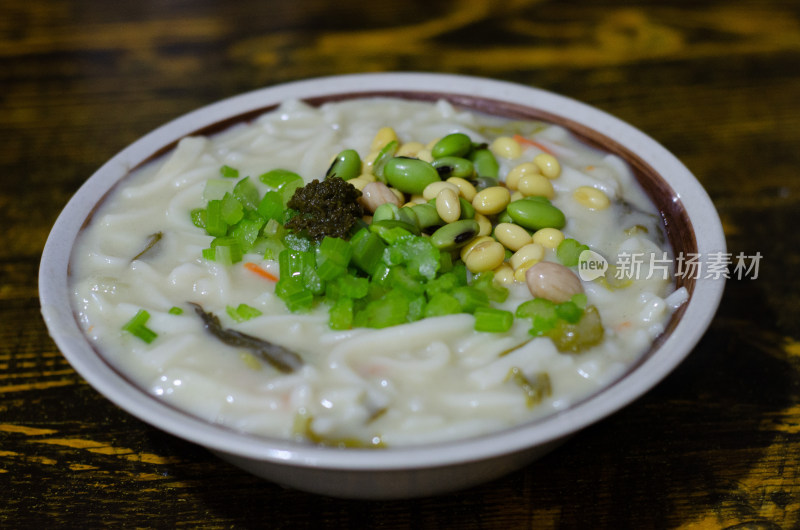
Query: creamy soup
x=431, y=379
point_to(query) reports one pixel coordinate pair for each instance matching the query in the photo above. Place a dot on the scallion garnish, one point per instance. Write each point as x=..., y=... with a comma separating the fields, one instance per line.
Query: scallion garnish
x=493, y=320
x=136, y=327
x=242, y=312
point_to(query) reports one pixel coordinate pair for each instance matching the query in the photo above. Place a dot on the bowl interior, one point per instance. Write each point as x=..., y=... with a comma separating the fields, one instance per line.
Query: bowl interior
x=649, y=161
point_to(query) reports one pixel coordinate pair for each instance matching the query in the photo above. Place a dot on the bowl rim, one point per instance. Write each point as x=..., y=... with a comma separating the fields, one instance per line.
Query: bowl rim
x=64, y=329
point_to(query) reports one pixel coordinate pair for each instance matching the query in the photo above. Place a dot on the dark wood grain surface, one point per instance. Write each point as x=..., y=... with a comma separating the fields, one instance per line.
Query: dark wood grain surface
x=716, y=445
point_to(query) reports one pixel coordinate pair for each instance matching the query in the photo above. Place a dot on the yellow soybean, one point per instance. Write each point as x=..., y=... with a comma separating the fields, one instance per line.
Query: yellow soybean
x=383, y=137
x=504, y=274
x=358, y=182
x=448, y=206
x=466, y=249
x=425, y=155
x=465, y=187
x=409, y=149
x=432, y=190
x=399, y=194
x=519, y=274
x=368, y=161
x=484, y=224
x=591, y=198
x=512, y=236
x=536, y=186
x=485, y=256
x=491, y=200
x=506, y=147
x=548, y=237
x=548, y=164
x=516, y=173
x=527, y=255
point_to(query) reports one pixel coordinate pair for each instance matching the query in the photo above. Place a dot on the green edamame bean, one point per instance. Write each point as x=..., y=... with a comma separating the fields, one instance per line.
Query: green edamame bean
x=384, y=156
x=454, y=235
x=427, y=215
x=481, y=183
x=485, y=163
x=409, y=175
x=467, y=209
x=388, y=224
x=454, y=144
x=407, y=215
x=386, y=211
x=535, y=215
x=346, y=165
x=391, y=212
x=503, y=217
x=453, y=166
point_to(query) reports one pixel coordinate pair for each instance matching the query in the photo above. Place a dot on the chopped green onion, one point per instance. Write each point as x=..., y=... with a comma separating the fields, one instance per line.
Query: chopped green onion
x=334, y=249
x=341, y=314
x=493, y=320
x=272, y=248
x=569, y=251
x=229, y=172
x=215, y=224
x=136, y=327
x=296, y=242
x=231, y=209
x=347, y=286
x=367, y=250
x=247, y=193
x=580, y=300
x=329, y=270
x=272, y=207
x=175, y=310
x=389, y=310
x=421, y=257
x=470, y=298
x=381, y=274
x=333, y=256
x=278, y=178
x=569, y=311
x=242, y=313
x=400, y=278
x=541, y=307
x=485, y=282
x=209, y=254
x=445, y=283
x=274, y=229
x=224, y=250
x=390, y=231
x=283, y=181
x=416, y=308
x=199, y=218
x=313, y=279
x=246, y=232
x=294, y=294
x=542, y=313
x=216, y=189
x=293, y=262
x=442, y=304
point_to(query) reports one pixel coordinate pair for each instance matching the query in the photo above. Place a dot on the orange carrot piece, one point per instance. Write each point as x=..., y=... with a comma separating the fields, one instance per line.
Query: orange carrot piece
x=521, y=139
x=252, y=267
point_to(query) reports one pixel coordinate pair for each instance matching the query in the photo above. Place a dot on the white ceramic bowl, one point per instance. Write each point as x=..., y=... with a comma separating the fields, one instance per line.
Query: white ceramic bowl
x=692, y=223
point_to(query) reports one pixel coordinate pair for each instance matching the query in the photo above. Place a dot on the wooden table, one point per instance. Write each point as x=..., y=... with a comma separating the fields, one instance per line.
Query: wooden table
x=717, y=444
